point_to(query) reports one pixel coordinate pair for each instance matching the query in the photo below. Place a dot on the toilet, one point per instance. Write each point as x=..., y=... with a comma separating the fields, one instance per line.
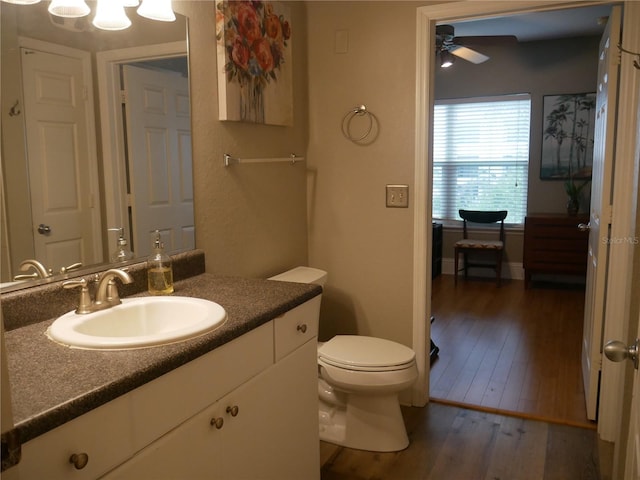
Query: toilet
x=359, y=379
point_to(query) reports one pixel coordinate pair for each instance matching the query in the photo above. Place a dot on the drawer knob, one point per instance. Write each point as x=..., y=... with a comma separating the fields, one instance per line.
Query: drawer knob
x=79, y=460
x=302, y=328
x=217, y=422
x=233, y=410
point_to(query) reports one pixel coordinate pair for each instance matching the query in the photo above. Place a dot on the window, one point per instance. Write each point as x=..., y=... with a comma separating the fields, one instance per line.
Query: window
x=481, y=156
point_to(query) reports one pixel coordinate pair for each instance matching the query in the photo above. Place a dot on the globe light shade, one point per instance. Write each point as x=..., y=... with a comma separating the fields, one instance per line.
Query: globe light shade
x=22, y=2
x=69, y=8
x=157, y=10
x=110, y=15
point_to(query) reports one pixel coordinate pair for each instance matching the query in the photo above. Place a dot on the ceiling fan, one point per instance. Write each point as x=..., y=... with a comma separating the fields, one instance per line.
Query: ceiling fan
x=447, y=44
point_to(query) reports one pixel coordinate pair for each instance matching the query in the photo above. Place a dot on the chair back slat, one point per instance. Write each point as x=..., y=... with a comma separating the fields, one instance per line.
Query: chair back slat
x=483, y=216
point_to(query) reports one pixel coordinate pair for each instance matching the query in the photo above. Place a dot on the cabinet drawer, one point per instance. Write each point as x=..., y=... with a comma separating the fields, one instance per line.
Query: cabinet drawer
x=296, y=327
x=103, y=435
x=164, y=403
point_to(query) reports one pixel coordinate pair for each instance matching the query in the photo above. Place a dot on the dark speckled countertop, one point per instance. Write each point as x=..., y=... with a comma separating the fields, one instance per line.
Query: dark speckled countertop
x=52, y=384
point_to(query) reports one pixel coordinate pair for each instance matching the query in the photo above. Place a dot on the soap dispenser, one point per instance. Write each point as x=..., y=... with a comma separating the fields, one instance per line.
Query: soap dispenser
x=159, y=270
x=122, y=253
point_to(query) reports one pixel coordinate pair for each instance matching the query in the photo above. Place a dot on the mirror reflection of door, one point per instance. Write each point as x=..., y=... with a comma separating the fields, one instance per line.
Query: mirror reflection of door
x=159, y=156
x=61, y=157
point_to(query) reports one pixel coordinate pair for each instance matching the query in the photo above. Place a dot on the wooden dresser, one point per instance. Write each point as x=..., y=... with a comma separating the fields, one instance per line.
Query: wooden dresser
x=553, y=244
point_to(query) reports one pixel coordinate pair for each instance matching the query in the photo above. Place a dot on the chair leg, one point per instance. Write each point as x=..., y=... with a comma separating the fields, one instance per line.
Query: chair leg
x=455, y=267
x=499, y=268
x=466, y=268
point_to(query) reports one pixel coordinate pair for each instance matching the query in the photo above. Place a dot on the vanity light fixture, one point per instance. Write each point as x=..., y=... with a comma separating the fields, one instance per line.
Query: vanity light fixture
x=157, y=10
x=69, y=8
x=22, y=2
x=110, y=15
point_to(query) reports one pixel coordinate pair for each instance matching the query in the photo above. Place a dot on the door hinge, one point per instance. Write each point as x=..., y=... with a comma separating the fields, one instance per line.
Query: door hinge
x=123, y=97
x=128, y=199
x=85, y=93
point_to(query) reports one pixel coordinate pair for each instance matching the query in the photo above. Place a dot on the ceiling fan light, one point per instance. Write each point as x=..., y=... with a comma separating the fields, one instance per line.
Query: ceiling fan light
x=22, y=2
x=446, y=59
x=157, y=10
x=110, y=15
x=69, y=8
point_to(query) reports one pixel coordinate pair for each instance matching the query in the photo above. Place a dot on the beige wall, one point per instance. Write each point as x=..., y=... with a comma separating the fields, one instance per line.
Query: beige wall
x=250, y=219
x=365, y=247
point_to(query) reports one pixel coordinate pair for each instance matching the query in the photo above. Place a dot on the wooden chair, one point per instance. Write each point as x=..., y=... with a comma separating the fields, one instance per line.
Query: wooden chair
x=486, y=247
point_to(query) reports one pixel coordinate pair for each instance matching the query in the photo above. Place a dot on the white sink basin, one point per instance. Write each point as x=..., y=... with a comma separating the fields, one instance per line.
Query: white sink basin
x=138, y=322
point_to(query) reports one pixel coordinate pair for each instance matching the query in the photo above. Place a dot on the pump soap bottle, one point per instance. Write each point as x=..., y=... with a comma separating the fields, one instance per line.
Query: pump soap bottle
x=159, y=270
x=122, y=253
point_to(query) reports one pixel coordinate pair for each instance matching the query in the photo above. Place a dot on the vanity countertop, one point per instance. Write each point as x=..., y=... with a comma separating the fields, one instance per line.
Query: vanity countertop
x=52, y=384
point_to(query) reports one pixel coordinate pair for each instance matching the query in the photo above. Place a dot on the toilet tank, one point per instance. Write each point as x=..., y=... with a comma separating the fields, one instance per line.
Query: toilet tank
x=302, y=275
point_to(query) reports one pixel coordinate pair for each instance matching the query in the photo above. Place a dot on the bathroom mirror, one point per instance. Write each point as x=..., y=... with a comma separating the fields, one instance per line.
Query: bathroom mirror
x=101, y=140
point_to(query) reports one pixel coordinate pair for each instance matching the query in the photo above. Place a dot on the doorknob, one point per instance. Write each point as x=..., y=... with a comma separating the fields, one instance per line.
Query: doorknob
x=617, y=351
x=44, y=229
x=584, y=227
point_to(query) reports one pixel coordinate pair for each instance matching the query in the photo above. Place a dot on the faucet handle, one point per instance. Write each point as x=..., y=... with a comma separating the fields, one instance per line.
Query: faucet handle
x=84, y=306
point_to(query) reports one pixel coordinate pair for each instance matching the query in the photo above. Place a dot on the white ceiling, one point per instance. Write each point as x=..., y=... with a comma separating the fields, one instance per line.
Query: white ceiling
x=575, y=22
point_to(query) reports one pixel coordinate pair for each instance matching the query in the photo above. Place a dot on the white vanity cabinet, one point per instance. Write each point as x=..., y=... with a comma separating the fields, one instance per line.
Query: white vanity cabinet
x=246, y=410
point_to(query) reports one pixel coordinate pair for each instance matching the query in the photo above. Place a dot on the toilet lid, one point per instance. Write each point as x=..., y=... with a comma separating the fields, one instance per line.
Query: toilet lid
x=369, y=352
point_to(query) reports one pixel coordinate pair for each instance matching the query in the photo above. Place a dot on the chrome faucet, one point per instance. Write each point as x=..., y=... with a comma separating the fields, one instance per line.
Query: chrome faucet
x=106, y=292
x=40, y=270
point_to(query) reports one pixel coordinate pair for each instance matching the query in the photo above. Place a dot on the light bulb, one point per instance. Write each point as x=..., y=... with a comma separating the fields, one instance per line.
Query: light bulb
x=110, y=15
x=69, y=8
x=22, y=2
x=130, y=3
x=157, y=10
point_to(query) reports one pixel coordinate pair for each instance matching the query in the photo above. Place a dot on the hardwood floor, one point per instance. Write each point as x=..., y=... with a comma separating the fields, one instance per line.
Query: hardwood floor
x=509, y=358
x=452, y=443
x=509, y=349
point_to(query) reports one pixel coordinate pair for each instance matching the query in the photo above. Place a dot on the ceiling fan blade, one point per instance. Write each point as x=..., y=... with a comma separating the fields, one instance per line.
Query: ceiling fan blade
x=486, y=40
x=469, y=55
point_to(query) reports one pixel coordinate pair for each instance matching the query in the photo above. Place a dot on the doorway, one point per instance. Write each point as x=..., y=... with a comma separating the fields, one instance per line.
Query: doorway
x=608, y=425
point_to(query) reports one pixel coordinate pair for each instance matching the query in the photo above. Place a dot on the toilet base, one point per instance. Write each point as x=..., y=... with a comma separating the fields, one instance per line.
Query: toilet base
x=372, y=422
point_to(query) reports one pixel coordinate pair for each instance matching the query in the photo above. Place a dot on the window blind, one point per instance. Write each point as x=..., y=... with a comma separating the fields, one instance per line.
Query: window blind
x=481, y=156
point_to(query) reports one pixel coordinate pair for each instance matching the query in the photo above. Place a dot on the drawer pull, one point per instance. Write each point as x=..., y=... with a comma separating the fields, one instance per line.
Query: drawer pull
x=233, y=410
x=79, y=460
x=302, y=328
x=217, y=422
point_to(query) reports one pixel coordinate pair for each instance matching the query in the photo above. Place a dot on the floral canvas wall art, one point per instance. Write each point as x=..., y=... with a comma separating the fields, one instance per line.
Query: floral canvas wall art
x=567, y=137
x=254, y=61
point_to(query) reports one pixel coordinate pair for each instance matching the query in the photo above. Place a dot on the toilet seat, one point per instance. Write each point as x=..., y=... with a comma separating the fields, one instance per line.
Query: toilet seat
x=367, y=354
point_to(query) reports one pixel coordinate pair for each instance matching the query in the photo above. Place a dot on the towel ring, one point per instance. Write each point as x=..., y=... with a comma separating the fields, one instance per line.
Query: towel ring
x=359, y=111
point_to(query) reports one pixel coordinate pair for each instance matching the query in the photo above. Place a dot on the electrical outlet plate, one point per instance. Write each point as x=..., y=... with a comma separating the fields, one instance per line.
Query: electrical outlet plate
x=397, y=196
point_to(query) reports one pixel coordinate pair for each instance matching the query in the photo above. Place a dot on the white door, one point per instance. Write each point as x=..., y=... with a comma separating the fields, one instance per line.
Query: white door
x=600, y=215
x=159, y=150
x=61, y=159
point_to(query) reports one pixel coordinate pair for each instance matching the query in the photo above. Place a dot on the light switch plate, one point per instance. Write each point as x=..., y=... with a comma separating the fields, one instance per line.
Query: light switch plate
x=397, y=196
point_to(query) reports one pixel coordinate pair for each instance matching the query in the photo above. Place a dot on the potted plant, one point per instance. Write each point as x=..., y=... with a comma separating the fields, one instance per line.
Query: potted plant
x=573, y=191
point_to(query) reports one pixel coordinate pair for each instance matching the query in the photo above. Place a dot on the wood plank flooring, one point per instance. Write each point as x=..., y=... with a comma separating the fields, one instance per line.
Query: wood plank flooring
x=453, y=443
x=509, y=349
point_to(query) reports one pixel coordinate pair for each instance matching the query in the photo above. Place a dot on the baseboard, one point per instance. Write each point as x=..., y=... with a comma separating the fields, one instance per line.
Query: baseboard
x=510, y=270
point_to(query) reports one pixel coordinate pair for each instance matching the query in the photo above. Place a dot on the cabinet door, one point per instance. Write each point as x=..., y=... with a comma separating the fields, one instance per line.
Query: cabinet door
x=267, y=429
x=275, y=431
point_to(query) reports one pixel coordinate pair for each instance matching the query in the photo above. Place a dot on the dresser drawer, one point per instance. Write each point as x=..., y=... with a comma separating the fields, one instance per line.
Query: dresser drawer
x=296, y=327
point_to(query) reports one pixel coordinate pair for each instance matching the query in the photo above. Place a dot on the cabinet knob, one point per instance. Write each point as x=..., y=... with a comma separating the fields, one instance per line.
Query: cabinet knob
x=302, y=328
x=217, y=422
x=233, y=410
x=79, y=460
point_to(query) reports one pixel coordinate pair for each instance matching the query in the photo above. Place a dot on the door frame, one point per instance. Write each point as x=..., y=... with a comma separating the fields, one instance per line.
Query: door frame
x=609, y=423
x=111, y=119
